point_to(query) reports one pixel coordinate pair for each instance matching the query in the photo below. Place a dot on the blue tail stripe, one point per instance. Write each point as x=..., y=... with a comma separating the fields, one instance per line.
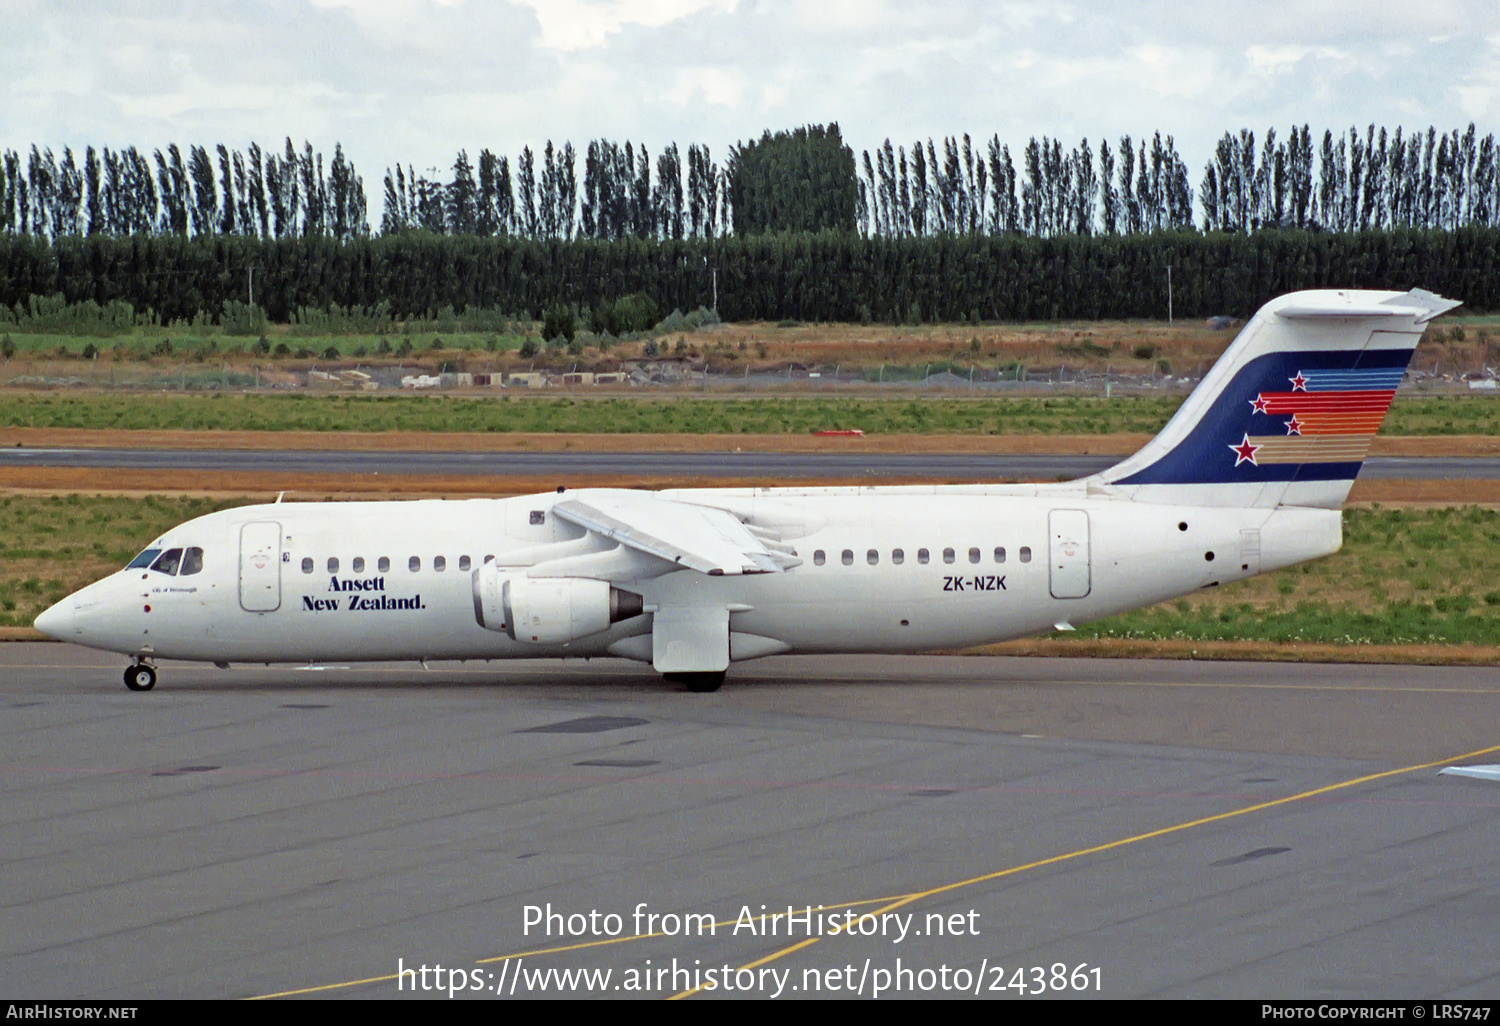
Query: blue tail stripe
x=1362, y=379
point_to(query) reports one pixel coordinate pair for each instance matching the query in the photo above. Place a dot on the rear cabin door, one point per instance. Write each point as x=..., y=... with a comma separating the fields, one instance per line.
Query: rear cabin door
x=260, y=567
x=1068, y=553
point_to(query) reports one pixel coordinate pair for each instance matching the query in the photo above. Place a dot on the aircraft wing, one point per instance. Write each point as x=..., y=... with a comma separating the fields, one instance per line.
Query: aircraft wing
x=710, y=541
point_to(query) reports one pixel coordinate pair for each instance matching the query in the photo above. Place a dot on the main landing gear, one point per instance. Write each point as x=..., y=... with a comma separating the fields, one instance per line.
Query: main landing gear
x=140, y=677
x=701, y=683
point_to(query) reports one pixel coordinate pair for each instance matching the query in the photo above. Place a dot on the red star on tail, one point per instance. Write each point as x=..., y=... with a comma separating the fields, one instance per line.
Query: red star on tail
x=1294, y=426
x=1245, y=452
x=1299, y=383
x=1259, y=405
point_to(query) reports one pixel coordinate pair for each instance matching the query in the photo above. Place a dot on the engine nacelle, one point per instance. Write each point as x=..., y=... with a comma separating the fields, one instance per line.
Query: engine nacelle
x=548, y=610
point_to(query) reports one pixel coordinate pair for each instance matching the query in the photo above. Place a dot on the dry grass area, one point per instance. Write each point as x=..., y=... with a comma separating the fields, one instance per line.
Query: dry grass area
x=1092, y=344
x=428, y=441
x=1457, y=344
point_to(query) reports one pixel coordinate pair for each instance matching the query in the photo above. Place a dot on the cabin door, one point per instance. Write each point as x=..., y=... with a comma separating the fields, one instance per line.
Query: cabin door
x=1068, y=553
x=260, y=567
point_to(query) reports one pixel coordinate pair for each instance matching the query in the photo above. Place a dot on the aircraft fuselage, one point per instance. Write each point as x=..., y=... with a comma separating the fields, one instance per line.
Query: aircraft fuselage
x=882, y=570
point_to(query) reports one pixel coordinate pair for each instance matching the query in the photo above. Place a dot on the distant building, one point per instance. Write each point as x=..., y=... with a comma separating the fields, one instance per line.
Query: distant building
x=340, y=381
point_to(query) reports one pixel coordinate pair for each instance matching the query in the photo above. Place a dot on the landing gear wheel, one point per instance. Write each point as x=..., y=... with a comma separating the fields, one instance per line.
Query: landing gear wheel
x=140, y=677
x=699, y=683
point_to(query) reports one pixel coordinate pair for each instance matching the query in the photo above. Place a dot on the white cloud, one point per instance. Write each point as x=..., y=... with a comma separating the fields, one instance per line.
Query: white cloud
x=708, y=85
x=416, y=80
x=569, y=25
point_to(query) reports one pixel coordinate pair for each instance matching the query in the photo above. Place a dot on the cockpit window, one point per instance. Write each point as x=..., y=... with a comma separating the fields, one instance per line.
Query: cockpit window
x=192, y=562
x=167, y=562
x=144, y=559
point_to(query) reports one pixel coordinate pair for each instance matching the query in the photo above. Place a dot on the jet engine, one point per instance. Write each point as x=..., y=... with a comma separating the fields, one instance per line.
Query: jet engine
x=548, y=610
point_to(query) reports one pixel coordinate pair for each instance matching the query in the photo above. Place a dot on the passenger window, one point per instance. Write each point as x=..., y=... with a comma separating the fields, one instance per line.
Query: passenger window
x=414, y=564
x=922, y=556
x=872, y=557
x=538, y=517
x=463, y=562
x=307, y=564
x=439, y=564
x=999, y=553
x=333, y=564
x=948, y=556
x=819, y=558
x=489, y=559
x=848, y=557
x=973, y=555
x=192, y=562
x=383, y=564
x=359, y=564
x=1025, y=554
x=167, y=562
x=898, y=557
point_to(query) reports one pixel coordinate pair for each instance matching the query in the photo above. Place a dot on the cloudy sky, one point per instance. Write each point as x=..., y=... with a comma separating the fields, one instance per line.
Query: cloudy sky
x=416, y=80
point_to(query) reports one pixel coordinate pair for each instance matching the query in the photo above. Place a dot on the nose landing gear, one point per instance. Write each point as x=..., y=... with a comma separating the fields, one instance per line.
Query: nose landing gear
x=140, y=677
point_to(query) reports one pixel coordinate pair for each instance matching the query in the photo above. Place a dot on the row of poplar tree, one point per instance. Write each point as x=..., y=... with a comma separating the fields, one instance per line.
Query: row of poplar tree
x=124, y=192
x=805, y=180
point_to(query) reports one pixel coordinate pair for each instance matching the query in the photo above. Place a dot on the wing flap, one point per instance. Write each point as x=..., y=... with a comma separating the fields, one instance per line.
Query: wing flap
x=708, y=540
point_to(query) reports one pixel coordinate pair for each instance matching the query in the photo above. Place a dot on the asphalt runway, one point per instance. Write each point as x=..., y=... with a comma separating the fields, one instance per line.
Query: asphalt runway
x=977, y=467
x=1154, y=829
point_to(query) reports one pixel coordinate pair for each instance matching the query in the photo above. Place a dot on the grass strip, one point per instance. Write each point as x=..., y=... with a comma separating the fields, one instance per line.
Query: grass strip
x=1413, y=415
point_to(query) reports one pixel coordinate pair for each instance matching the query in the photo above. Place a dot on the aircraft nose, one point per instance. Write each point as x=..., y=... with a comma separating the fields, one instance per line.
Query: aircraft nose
x=59, y=621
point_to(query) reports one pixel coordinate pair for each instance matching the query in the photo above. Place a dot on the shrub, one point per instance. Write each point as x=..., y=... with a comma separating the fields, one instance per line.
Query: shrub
x=242, y=318
x=635, y=312
x=558, y=322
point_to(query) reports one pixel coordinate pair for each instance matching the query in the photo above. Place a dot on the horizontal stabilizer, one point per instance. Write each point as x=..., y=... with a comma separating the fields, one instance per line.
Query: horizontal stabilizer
x=710, y=541
x=1418, y=304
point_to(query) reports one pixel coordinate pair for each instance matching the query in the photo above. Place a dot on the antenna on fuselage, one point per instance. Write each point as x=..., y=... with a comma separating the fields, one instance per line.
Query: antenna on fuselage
x=278, y=496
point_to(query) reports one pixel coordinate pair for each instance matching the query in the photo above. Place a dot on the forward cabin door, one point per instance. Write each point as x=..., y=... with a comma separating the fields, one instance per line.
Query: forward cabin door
x=1068, y=553
x=260, y=567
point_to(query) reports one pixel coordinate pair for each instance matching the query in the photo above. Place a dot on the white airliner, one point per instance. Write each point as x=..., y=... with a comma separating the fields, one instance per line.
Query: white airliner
x=1248, y=476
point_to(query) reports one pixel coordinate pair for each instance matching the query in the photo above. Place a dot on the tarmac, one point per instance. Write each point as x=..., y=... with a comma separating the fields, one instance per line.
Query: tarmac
x=1004, y=826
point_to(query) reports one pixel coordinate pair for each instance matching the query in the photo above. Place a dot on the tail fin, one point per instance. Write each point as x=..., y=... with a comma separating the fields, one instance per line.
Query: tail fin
x=1288, y=413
